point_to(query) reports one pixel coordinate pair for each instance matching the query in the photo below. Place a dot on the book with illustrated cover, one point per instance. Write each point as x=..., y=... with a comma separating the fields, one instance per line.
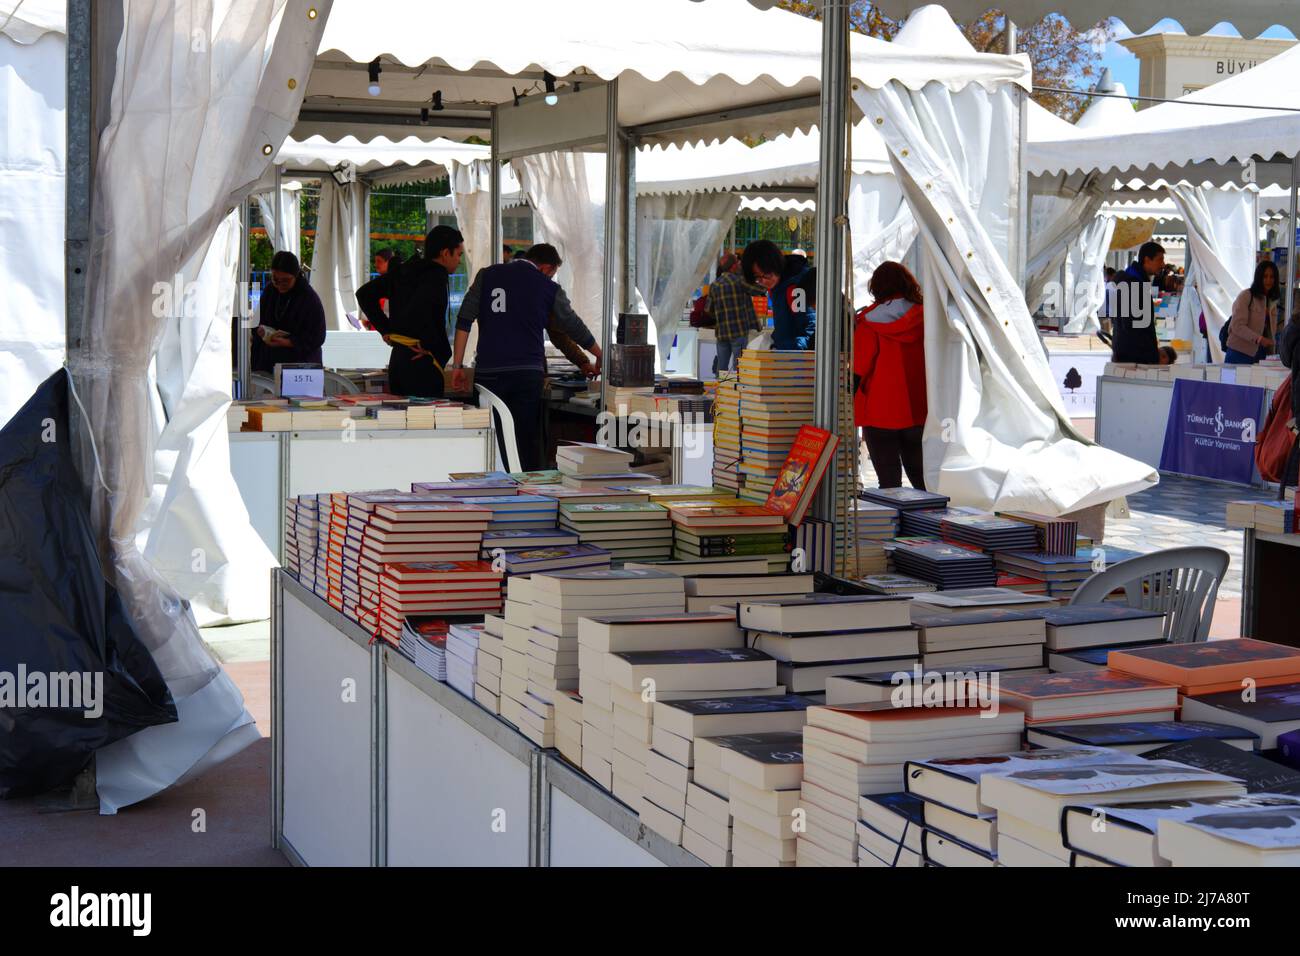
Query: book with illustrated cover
x=629, y=509
x=1079, y=626
x=1130, y=837
x=1266, y=833
x=904, y=499
x=956, y=782
x=1081, y=694
x=496, y=477
x=545, y=477
x=528, y=538
x=1272, y=710
x=528, y=560
x=801, y=472
x=1258, y=773
x=486, y=486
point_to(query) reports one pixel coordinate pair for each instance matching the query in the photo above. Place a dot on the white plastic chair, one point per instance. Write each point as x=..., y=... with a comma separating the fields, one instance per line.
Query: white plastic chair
x=261, y=385
x=1180, y=582
x=336, y=384
x=506, y=433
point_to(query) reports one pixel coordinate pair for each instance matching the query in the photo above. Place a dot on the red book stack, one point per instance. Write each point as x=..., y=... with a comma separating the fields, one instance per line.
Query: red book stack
x=403, y=527
x=435, y=587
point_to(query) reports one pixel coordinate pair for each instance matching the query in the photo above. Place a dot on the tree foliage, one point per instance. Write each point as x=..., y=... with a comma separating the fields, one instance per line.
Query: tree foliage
x=1062, y=57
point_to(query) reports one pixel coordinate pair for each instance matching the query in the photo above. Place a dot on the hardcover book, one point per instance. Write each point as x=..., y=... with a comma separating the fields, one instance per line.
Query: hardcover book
x=1141, y=737
x=801, y=472
x=1259, y=774
x=1198, y=667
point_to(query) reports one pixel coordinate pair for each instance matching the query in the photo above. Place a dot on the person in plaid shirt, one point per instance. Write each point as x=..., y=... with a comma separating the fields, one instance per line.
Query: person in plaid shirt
x=731, y=299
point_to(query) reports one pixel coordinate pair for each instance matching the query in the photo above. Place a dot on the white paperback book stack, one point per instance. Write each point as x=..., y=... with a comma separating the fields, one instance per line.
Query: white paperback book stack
x=462, y=656
x=763, y=775
x=670, y=782
x=860, y=749
x=487, y=663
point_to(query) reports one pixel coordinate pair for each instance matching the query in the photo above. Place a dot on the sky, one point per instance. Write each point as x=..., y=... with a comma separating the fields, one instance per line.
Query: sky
x=1124, y=65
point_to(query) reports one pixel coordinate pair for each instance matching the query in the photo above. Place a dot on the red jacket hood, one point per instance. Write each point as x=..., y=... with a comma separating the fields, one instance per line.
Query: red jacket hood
x=908, y=330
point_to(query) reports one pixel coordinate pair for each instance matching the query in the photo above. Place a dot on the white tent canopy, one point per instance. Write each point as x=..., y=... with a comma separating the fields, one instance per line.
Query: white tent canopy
x=739, y=62
x=381, y=160
x=1190, y=138
x=1250, y=17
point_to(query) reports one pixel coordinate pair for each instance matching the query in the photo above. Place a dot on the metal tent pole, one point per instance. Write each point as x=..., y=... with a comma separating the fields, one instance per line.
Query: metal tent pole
x=1290, y=242
x=611, y=264
x=278, y=213
x=243, y=345
x=494, y=187
x=830, y=238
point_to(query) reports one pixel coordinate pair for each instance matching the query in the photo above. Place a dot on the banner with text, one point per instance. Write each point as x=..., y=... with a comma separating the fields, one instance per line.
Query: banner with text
x=1211, y=430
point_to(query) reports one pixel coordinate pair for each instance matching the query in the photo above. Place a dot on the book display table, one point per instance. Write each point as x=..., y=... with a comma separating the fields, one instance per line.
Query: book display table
x=374, y=763
x=1270, y=567
x=269, y=467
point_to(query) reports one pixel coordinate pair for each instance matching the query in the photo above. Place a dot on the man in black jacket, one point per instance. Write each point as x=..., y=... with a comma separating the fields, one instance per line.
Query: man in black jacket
x=416, y=323
x=1133, y=322
x=291, y=319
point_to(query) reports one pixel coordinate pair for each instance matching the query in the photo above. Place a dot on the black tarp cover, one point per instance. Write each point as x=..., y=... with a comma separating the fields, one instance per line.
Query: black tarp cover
x=58, y=615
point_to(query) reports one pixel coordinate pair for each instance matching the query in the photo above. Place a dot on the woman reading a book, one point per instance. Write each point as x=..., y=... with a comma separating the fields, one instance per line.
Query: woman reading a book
x=889, y=401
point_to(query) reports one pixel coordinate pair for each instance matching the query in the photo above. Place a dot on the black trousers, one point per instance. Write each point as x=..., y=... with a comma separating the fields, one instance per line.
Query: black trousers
x=894, y=450
x=522, y=393
x=411, y=374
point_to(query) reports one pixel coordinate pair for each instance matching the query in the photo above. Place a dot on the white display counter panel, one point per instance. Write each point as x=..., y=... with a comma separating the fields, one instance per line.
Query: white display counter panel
x=325, y=712
x=1132, y=415
x=416, y=774
x=269, y=467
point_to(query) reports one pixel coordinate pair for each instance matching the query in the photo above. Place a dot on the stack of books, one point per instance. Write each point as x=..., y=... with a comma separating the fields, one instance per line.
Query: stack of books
x=462, y=656
x=1029, y=803
x=423, y=641
x=408, y=528
x=985, y=637
x=701, y=671
x=487, y=663
x=583, y=460
x=470, y=488
x=708, y=800
x=701, y=530
x=568, y=557
x=691, y=566
x=433, y=587
x=591, y=496
x=988, y=532
x=814, y=539
x=817, y=636
x=762, y=795
x=726, y=436
x=776, y=398
x=628, y=531
x=568, y=725
x=897, y=584
x=928, y=522
x=1093, y=696
x=875, y=521
x=304, y=552
x=946, y=565
x=516, y=640
x=1057, y=575
x=526, y=539
x=710, y=592
x=1081, y=636
x=861, y=749
x=671, y=494
x=530, y=480
x=516, y=512
x=1273, y=517
x=669, y=784
x=600, y=636
x=904, y=499
x=1052, y=535
x=1142, y=737
x=458, y=415
x=890, y=829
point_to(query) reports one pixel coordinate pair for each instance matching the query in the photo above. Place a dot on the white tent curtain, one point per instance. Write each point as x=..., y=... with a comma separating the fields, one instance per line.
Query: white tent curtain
x=676, y=240
x=33, y=87
x=287, y=233
x=1085, y=269
x=1222, y=230
x=194, y=528
x=997, y=435
x=471, y=201
x=340, y=259
x=1056, y=222
x=181, y=149
x=881, y=226
x=566, y=190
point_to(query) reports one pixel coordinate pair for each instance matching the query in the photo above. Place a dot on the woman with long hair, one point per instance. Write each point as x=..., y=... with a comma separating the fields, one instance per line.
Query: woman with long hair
x=1254, y=316
x=889, y=376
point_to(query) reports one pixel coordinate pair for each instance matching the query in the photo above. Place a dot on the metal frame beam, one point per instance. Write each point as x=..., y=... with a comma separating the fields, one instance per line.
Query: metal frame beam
x=613, y=179
x=355, y=117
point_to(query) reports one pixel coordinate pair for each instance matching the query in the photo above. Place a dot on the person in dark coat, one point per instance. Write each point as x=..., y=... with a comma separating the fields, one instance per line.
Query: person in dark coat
x=1133, y=320
x=793, y=317
x=291, y=319
x=416, y=322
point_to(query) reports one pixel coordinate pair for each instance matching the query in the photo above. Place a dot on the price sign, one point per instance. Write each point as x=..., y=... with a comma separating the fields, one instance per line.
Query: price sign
x=299, y=381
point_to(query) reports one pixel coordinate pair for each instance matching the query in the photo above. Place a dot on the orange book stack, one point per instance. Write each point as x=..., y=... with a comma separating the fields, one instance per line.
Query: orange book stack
x=1213, y=666
x=435, y=588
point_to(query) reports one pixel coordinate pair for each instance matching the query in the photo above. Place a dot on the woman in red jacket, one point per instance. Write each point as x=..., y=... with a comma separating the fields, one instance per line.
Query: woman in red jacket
x=889, y=376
